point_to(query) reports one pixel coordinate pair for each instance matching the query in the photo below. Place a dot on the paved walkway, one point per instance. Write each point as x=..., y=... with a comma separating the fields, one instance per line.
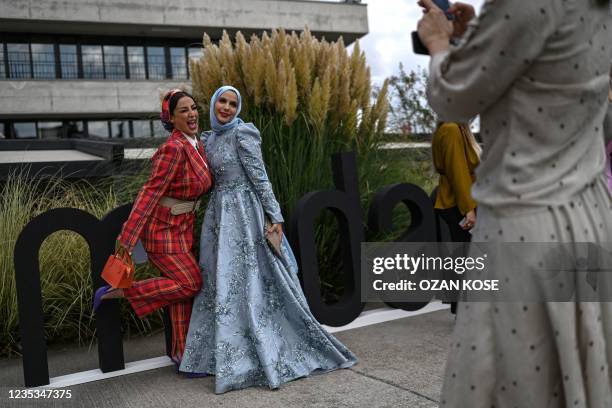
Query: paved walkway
x=401, y=365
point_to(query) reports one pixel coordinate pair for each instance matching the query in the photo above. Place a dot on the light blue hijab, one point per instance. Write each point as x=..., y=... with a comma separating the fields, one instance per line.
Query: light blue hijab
x=218, y=127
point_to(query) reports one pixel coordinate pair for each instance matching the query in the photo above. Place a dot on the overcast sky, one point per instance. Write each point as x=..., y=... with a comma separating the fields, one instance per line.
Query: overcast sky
x=389, y=42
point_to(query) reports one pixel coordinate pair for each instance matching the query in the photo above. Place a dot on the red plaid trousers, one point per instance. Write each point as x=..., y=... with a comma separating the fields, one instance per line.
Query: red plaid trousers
x=180, y=281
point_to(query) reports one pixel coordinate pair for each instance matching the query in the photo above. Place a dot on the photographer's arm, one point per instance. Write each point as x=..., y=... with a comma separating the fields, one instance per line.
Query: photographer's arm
x=608, y=120
x=497, y=48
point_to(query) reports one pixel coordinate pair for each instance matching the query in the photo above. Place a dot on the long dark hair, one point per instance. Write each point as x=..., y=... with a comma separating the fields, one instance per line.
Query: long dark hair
x=603, y=2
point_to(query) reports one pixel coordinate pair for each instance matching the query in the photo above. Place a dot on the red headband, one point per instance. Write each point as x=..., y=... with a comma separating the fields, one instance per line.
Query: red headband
x=164, y=115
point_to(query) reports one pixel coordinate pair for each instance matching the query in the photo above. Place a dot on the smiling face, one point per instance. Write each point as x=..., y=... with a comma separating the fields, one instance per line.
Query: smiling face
x=185, y=116
x=226, y=106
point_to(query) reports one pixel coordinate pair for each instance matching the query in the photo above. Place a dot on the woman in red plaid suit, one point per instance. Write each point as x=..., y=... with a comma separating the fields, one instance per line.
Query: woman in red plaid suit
x=163, y=217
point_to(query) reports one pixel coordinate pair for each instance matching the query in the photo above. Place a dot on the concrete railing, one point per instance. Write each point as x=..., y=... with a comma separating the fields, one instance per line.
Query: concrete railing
x=184, y=19
x=91, y=98
x=49, y=157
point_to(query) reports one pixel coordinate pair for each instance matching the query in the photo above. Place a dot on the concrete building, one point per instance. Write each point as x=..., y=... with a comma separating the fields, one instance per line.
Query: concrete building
x=75, y=68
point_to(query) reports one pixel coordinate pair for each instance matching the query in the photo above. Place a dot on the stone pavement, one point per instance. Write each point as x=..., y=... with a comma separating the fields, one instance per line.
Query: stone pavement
x=401, y=363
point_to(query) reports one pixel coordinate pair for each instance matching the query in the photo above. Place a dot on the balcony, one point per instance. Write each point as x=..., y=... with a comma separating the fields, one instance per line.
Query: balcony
x=80, y=98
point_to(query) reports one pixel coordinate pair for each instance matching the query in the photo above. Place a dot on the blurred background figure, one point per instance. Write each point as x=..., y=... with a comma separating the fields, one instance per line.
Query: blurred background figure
x=537, y=72
x=608, y=135
x=455, y=154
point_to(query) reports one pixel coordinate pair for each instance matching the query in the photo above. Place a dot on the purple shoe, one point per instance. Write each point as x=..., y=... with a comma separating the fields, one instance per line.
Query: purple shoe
x=177, y=363
x=195, y=375
x=98, y=296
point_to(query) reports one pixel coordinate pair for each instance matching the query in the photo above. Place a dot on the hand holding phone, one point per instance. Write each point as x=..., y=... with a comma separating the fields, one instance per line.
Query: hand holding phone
x=417, y=45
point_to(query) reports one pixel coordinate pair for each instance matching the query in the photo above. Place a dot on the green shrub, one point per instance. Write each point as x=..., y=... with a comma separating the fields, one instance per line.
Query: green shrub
x=63, y=257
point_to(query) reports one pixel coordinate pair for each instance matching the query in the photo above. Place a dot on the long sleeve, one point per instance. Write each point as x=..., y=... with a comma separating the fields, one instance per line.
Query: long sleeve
x=249, y=152
x=608, y=118
x=468, y=78
x=204, y=138
x=608, y=125
x=165, y=164
x=450, y=159
x=607, y=128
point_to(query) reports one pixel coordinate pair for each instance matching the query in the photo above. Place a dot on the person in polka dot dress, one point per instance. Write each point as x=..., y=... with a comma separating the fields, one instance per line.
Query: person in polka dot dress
x=537, y=73
x=608, y=136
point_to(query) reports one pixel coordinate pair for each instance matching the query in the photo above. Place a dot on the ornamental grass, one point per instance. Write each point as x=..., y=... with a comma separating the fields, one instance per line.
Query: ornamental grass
x=297, y=78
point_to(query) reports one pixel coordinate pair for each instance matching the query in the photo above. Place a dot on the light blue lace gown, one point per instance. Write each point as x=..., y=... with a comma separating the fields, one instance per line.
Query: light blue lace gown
x=250, y=324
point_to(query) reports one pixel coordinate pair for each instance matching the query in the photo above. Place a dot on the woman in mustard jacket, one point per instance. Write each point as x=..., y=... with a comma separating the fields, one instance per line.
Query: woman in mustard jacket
x=456, y=155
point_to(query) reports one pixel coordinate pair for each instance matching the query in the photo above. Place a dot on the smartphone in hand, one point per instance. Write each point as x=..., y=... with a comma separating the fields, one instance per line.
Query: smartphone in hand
x=417, y=45
x=444, y=5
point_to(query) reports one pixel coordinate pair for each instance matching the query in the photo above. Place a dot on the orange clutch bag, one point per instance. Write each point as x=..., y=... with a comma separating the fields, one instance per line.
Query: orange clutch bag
x=119, y=269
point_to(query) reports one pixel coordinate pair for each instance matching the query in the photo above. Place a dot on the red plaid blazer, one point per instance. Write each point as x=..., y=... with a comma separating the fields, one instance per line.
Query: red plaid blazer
x=178, y=172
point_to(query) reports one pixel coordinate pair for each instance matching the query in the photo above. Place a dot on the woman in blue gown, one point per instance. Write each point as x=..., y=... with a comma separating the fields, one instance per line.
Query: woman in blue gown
x=250, y=324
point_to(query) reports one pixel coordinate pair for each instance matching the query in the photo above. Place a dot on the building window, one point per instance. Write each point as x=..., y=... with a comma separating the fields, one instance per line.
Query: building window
x=141, y=128
x=158, y=129
x=97, y=128
x=156, y=62
x=179, y=63
x=114, y=62
x=108, y=128
x=136, y=63
x=69, y=64
x=43, y=61
x=2, y=70
x=195, y=53
x=50, y=130
x=93, y=66
x=24, y=130
x=74, y=129
x=119, y=129
x=19, y=61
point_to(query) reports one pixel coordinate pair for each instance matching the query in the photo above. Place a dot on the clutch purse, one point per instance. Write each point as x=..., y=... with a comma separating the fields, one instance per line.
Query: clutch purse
x=119, y=269
x=273, y=239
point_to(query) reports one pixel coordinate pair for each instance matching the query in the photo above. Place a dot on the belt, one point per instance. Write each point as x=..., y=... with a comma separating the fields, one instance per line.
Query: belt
x=179, y=206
